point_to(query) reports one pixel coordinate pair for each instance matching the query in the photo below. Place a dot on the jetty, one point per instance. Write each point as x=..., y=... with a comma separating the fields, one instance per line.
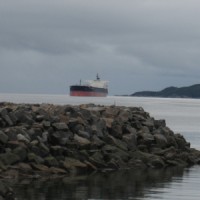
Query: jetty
x=39, y=140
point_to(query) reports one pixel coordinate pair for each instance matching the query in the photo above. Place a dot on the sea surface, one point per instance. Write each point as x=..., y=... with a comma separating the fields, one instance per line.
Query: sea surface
x=181, y=115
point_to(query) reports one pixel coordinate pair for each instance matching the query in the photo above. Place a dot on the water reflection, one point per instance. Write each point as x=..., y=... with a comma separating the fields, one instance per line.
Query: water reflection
x=133, y=184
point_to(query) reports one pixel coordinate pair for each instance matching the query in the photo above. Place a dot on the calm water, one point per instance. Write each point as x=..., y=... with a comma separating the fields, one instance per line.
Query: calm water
x=181, y=115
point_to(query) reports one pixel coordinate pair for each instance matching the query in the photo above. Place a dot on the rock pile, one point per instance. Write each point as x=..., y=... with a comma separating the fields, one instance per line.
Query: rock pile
x=50, y=139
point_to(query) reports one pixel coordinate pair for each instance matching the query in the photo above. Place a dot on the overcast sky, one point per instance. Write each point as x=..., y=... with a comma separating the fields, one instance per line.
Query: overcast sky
x=48, y=45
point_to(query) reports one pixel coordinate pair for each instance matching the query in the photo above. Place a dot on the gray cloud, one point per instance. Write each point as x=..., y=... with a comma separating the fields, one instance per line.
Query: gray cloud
x=136, y=44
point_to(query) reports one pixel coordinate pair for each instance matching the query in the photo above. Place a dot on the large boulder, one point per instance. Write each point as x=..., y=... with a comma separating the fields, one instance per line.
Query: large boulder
x=111, y=152
x=9, y=158
x=82, y=142
x=21, y=152
x=59, y=137
x=109, y=139
x=60, y=126
x=161, y=140
x=130, y=140
x=24, y=116
x=3, y=137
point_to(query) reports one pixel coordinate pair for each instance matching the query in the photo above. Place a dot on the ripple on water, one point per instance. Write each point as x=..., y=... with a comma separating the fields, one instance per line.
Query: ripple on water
x=183, y=188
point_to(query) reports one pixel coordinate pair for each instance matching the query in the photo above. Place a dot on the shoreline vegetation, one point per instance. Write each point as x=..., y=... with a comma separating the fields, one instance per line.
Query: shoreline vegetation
x=192, y=91
x=38, y=140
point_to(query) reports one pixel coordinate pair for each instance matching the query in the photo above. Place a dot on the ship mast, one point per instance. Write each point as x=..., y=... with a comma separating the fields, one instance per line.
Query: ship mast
x=98, y=77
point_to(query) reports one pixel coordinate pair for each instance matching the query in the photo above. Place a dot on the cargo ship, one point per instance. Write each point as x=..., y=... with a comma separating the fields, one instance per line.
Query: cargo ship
x=91, y=88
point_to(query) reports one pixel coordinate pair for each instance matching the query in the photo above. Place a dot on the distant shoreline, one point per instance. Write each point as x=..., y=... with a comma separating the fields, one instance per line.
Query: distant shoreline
x=192, y=91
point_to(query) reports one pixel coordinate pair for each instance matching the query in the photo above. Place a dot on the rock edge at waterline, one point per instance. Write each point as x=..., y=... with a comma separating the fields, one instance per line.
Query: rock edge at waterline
x=43, y=139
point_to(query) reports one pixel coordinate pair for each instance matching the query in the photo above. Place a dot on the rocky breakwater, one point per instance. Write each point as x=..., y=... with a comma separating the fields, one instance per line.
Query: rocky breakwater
x=43, y=139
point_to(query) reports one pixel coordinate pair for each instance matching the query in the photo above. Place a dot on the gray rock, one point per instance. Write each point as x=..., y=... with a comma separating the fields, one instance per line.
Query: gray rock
x=3, y=111
x=174, y=162
x=113, y=164
x=130, y=140
x=145, y=158
x=46, y=124
x=21, y=137
x=100, y=124
x=182, y=144
x=21, y=152
x=143, y=148
x=51, y=161
x=157, y=163
x=35, y=158
x=97, y=160
x=136, y=124
x=59, y=137
x=34, y=132
x=9, y=158
x=96, y=142
x=124, y=115
x=97, y=132
x=139, y=117
x=73, y=122
x=14, y=144
x=164, y=131
x=39, y=118
x=159, y=123
x=73, y=165
x=8, y=120
x=161, y=140
x=76, y=128
x=40, y=167
x=35, y=149
x=44, y=150
x=24, y=167
x=127, y=128
x=108, y=122
x=137, y=163
x=57, y=150
x=149, y=123
x=57, y=170
x=82, y=142
x=145, y=138
x=3, y=137
x=13, y=117
x=45, y=136
x=61, y=126
x=110, y=112
x=84, y=134
x=116, y=142
x=11, y=133
x=110, y=152
x=116, y=130
x=24, y=117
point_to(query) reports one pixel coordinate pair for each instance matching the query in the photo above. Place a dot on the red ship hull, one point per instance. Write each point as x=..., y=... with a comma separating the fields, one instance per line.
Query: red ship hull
x=87, y=94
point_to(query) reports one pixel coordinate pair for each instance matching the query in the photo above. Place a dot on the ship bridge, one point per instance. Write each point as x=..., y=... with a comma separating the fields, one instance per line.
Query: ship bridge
x=97, y=83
